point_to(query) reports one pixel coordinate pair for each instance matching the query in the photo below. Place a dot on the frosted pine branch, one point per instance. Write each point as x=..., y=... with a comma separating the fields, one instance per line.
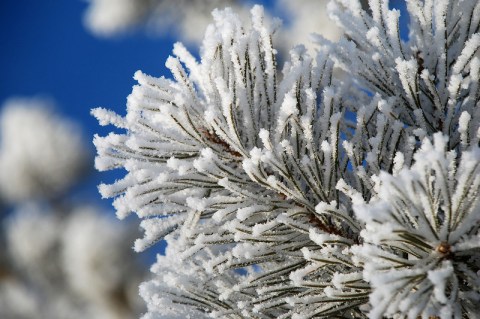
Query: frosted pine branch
x=301, y=193
x=421, y=236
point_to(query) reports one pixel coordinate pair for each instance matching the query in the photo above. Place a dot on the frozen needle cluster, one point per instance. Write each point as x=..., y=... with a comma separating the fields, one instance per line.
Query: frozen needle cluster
x=301, y=194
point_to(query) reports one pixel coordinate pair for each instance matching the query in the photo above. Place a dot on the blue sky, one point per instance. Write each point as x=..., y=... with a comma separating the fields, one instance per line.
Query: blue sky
x=46, y=51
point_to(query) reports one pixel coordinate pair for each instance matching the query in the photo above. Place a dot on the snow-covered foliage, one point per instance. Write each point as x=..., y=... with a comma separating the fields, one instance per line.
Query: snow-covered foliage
x=301, y=194
x=41, y=153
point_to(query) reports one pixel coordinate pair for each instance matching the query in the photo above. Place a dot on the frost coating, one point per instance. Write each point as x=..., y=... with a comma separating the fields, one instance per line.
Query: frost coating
x=276, y=190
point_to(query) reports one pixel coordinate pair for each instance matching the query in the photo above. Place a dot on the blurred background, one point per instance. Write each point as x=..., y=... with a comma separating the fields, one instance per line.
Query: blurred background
x=63, y=254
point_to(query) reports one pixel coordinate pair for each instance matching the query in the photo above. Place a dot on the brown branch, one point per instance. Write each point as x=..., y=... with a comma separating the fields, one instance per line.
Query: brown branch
x=329, y=228
x=214, y=138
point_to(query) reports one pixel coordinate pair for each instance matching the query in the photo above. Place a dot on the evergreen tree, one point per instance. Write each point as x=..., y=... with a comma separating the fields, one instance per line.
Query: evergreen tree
x=312, y=191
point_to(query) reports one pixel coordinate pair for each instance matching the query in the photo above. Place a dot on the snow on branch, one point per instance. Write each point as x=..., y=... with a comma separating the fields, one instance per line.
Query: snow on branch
x=305, y=191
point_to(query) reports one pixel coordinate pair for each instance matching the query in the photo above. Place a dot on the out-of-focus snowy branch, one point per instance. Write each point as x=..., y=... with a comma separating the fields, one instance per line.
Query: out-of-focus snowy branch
x=41, y=154
x=58, y=259
x=185, y=18
x=188, y=19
